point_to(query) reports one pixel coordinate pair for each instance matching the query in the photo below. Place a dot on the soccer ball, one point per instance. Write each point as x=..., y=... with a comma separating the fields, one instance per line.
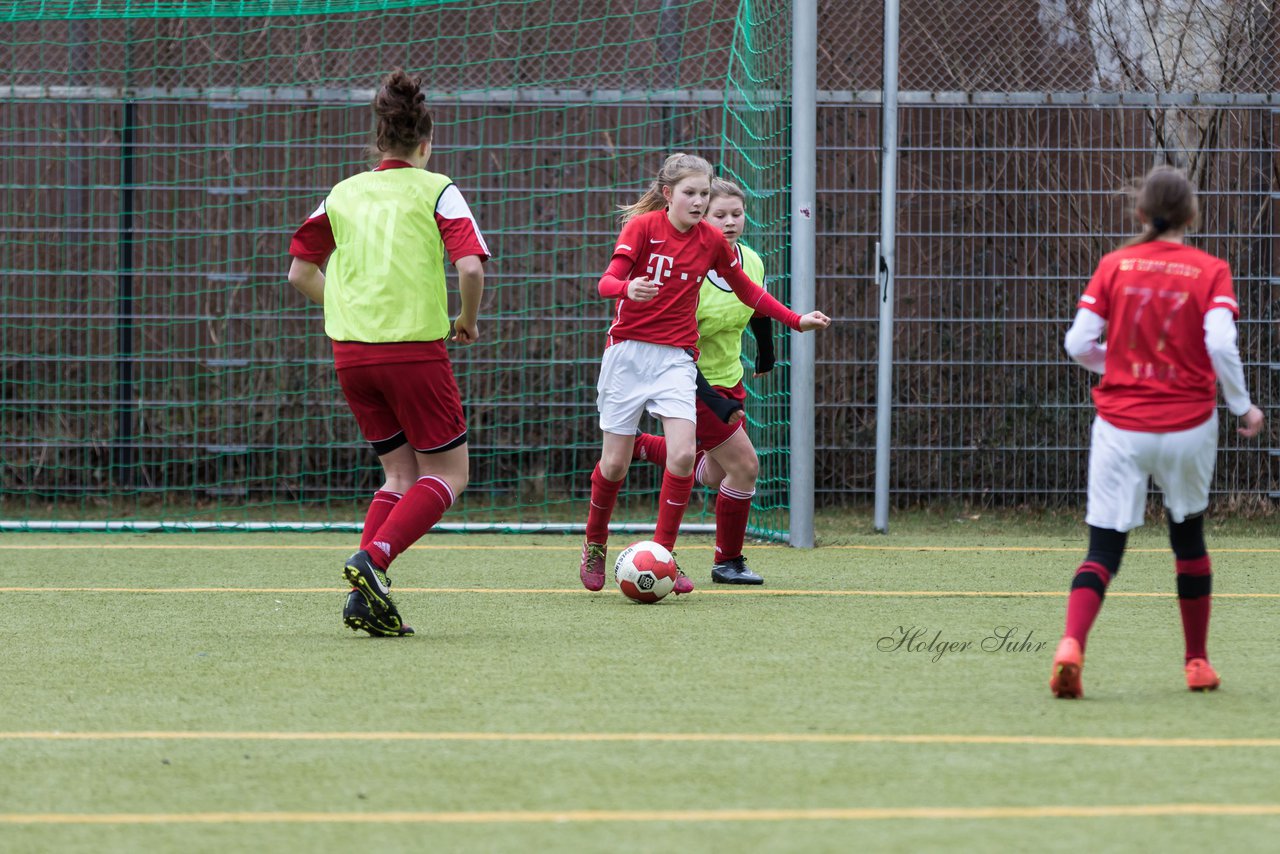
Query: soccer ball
x=645, y=571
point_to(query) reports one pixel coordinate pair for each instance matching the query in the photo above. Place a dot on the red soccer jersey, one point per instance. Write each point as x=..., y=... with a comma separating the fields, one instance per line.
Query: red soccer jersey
x=1154, y=297
x=676, y=262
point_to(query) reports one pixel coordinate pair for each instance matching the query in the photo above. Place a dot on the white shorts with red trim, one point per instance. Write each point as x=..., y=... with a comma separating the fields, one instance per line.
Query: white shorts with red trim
x=1120, y=461
x=636, y=376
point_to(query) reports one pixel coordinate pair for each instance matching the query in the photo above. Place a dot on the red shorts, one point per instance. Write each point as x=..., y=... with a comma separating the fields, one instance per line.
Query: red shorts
x=712, y=432
x=413, y=402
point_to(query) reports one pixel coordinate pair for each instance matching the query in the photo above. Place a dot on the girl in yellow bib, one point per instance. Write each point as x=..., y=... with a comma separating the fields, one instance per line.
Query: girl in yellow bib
x=383, y=237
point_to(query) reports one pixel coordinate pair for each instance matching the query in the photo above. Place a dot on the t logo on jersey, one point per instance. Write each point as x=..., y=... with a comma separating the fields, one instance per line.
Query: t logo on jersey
x=659, y=265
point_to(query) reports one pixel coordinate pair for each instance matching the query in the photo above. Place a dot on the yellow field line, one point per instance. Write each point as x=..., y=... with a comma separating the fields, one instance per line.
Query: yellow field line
x=572, y=547
x=574, y=591
x=688, y=737
x=630, y=816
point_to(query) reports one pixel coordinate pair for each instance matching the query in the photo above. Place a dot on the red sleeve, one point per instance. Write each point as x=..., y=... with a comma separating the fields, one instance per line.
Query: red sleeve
x=613, y=284
x=313, y=241
x=757, y=297
x=458, y=227
x=1097, y=296
x=1222, y=293
x=633, y=236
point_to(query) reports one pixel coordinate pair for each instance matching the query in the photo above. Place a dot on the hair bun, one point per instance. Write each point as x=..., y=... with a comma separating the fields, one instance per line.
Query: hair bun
x=403, y=117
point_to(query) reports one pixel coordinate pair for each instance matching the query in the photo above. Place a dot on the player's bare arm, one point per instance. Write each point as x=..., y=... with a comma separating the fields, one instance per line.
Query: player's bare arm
x=470, y=286
x=308, y=279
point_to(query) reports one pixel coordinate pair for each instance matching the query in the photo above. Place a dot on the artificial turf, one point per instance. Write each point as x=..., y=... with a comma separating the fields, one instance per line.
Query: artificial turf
x=199, y=692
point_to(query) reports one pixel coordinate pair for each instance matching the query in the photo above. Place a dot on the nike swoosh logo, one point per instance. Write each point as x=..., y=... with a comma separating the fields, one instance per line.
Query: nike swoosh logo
x=377, y=581
x=677, y=503
x=651, y=240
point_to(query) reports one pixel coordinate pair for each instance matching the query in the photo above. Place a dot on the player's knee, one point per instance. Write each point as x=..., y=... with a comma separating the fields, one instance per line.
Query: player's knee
x=1106, y=548
x=747, y=468
x=398, y=482
x=614, y=466
x=680, y=460
x=1187, y=537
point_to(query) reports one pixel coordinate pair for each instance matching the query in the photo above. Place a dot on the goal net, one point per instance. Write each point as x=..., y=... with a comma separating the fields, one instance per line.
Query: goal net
x=156, y=367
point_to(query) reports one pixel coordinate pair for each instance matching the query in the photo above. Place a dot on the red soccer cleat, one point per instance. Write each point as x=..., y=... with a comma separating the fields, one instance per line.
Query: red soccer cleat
x=592, y=569
x=1200, y=676
x=684, y=584
x=1068, y=661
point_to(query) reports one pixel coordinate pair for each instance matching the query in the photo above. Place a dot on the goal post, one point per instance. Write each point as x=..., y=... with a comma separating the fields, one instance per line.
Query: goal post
x=159, y=372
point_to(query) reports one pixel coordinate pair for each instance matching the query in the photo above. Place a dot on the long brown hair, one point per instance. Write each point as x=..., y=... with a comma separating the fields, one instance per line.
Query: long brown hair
x=403, y=120
x=674, y=169
x=1167, y=199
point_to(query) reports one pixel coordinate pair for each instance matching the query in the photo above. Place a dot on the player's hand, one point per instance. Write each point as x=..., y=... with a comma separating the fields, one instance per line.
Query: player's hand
x=1253, y=421
x=642, y=289
x=814, y=320
x=465, y=330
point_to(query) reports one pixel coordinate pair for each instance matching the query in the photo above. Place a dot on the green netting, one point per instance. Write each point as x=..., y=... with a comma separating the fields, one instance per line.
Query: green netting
x=155, y=365
x=55, y=10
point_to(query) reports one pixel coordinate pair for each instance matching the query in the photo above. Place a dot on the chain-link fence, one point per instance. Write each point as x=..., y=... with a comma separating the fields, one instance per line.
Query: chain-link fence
x=1021, y=124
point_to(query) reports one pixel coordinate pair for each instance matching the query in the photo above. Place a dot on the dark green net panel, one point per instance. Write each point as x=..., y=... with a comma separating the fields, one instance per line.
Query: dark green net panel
x=155, y=365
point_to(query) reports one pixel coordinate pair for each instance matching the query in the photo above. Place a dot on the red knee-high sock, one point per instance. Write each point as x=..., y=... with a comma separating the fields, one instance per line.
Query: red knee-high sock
x=604, y=495
x=650, y=448
x=733, y=507
x=672, y=501
x=414, y=515
x=379, y=508
x=1195, y=586
x=1088, y=589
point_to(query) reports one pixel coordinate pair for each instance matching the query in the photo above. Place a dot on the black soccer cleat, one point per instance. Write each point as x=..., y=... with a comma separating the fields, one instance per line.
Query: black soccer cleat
x=364, y=575
x=734, y=571
x=357, y=617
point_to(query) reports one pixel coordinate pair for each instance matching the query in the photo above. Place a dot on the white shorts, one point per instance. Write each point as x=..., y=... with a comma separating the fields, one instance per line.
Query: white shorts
x=1120, y=461
x=637, y=375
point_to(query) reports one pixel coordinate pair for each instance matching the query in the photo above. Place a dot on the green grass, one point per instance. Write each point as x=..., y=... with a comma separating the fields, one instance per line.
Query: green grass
x=508, y=660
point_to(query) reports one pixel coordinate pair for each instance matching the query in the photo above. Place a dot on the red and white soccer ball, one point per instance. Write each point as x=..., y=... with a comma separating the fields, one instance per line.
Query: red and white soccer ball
x=645, y=571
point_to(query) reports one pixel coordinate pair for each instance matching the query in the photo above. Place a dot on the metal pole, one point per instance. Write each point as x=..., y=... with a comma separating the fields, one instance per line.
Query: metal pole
x=804, y=133
x=885, y=262
x=124, y=450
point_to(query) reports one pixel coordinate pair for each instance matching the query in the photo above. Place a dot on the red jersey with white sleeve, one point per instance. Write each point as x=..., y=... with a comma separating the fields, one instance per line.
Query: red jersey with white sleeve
x=1158, y=376
x=677, y=262
x=314, y=240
